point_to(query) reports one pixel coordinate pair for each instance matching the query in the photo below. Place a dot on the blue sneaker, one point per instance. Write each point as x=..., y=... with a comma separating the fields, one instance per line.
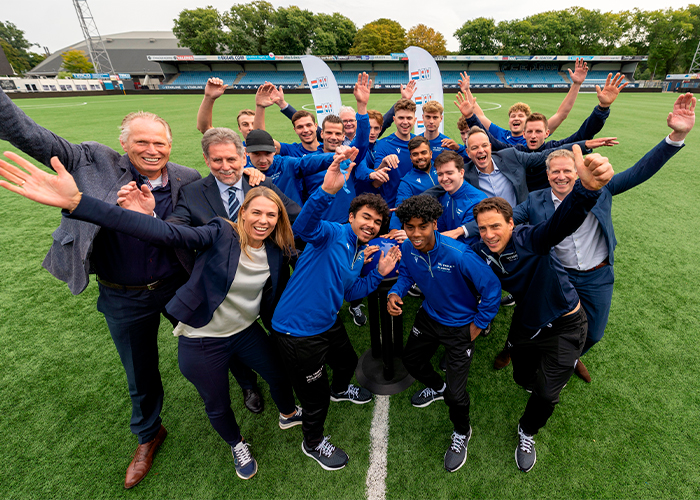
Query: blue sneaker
x=287, y=422
x=354, y=394
x=246, y=466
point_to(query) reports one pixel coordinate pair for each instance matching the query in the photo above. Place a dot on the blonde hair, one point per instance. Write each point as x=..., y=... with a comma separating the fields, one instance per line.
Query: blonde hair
x=433, y=107
x=520, y=106
x=125, y=127
x=560, y=153
x=281, y=235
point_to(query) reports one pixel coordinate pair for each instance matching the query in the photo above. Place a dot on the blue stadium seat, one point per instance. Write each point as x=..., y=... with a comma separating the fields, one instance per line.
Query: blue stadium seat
x=535, y=76
x=475, y=77
x=287, y=78
x=201, y=77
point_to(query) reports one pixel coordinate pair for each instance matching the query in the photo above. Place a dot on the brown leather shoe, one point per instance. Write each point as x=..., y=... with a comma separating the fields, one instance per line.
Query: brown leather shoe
x=582, y=372
x=502, y=359
x=143, y=459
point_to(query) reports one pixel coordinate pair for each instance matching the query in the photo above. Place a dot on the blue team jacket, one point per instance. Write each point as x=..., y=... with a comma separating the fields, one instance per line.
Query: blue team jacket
x=286, y=172
x=413, y=183
x=328, y=270
x=389, y=146
x=530, y=270
x=458, y=208
x=450, y=276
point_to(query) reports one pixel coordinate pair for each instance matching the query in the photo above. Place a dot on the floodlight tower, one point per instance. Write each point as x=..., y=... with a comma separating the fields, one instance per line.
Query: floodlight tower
x=695, y=65
x=96, y=47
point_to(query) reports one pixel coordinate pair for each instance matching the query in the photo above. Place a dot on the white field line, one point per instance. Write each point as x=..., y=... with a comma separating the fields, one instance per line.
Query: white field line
x=72, y=105
x=379, y=442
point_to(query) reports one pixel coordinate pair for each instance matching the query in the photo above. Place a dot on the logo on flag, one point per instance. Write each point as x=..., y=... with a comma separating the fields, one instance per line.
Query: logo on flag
x=319, y=83
x=421, y=74
x=419, y=124
x=422, y=99
x=324, y=107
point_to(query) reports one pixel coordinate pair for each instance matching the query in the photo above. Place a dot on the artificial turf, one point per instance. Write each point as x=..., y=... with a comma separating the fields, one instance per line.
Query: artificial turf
x=631, y=433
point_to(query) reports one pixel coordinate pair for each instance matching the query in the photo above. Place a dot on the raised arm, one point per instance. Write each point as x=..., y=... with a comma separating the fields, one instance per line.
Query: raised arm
x=594, y=173
x=212, y=91
x=36, y=141
x=577, y=77
x=61, y=191
x=466, y=90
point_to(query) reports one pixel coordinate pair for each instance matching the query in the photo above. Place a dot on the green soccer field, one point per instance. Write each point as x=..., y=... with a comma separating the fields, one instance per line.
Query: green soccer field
x=634, y=432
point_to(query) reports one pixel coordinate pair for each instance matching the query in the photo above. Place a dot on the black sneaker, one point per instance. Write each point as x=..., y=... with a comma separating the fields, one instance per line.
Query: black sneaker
x=358, y=317
x=246, y=466
x=456, y=454
x=287, y=422
x=508, y=301
x=525, y=455
x=327, y=455
x=485, y=332
x=354, y=394
x=414, y=291
x=423, y=398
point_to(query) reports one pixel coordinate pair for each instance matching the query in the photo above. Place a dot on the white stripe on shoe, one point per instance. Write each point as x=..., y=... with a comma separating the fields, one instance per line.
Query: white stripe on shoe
x=379, y=443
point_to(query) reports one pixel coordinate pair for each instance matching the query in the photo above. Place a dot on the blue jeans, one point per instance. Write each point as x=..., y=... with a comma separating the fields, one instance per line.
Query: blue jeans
x=205, y=362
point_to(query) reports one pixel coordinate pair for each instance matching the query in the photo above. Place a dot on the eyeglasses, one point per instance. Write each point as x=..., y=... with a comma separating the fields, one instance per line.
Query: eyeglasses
x=350, y=121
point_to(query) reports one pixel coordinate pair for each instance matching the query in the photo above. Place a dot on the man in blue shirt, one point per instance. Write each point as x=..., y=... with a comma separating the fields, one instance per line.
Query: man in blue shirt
x=452, y=279
x=548, y=328
x=307, y=329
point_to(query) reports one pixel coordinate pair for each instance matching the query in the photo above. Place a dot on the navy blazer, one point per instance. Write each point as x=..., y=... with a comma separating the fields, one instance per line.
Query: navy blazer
x=539, y=205
x=215, y=268
x=201, y=201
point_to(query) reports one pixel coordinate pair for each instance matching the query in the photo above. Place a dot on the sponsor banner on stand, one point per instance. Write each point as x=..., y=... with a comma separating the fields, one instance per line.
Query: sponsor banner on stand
x=324, y=88
x=423, y=69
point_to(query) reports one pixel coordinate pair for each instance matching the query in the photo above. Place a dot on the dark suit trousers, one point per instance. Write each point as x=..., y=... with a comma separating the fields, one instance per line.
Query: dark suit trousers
x=595, y=289
x=206, y=361
x=133, y=318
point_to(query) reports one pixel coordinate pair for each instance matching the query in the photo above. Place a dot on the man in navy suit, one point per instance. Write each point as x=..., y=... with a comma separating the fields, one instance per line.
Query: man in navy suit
x=588, y=254
x=210, y=197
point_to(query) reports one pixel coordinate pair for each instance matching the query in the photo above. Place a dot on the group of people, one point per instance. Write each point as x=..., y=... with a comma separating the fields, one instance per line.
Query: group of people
x=503, y=211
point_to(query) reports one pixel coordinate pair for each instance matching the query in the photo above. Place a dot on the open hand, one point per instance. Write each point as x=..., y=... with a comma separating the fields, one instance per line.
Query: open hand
x=132, y=198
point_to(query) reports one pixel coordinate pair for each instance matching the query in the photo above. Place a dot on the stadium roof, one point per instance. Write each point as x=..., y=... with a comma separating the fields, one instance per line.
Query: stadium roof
x=127, y=52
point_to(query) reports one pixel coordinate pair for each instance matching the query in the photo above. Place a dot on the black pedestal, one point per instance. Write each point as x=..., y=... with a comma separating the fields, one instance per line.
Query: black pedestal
x=380, y=368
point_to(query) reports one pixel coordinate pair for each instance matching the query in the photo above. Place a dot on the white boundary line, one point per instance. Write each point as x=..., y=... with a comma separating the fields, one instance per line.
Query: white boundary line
x=44, y=106
x=379, y=443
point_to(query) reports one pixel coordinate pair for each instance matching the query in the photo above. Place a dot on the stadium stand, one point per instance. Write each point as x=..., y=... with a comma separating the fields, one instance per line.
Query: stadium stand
x=200, y=77
x=531, y=77
x=390, y=77
x=277, y=77
x=475, y=77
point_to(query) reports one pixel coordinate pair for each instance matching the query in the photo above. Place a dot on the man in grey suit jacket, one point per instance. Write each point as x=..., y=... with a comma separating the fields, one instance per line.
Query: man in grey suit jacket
x=136, y=280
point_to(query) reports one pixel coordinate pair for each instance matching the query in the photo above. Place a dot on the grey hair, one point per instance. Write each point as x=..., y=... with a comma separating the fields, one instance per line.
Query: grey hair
x=346, y=109
x=125, y=127
x=559, y=153
x=221, y=135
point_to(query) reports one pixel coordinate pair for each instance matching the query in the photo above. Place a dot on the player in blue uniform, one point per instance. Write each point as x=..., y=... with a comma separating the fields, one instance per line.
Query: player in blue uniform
x=452, y=278
x=307, y=329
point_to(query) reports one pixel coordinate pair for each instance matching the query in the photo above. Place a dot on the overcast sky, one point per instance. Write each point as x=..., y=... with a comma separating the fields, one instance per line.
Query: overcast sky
x=54, y=23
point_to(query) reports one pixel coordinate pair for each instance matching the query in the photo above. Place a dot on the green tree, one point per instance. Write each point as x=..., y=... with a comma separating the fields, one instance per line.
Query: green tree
x=291, y=31
x=75, y=61
x=333, y=34
x=513, y=37
x=16, y=48
x=379, y=37
x=477, y=37
x=669, y=30
x=249, y=25
x=426, y=38
x=202, y=31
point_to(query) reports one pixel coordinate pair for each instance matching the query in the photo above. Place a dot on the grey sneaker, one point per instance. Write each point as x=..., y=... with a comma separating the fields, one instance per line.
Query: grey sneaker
x=525, y=455
x=508, y=301
x=287, y=422
x=358, y=317
x=327, y=455
x=456, y=454
x=354, y=394
x=246, y=466
x=423, y=398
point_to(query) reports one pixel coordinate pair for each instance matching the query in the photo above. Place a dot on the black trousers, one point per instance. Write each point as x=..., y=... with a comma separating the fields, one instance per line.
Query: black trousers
x=426, y=335
x=305, y=360
x=545, y=364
